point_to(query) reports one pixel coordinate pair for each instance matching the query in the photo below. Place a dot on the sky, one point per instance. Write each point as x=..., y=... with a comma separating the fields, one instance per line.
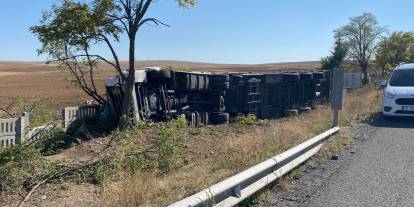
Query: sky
x=219, y=31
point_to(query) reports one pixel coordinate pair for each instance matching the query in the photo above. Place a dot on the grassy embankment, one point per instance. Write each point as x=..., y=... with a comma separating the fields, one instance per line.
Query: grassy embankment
x=159, y=164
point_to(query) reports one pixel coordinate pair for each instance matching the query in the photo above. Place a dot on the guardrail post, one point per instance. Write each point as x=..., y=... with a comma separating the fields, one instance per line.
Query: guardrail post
x=237, y=191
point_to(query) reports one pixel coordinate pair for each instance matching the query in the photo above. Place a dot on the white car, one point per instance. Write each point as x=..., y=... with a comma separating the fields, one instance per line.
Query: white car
x=398, y=99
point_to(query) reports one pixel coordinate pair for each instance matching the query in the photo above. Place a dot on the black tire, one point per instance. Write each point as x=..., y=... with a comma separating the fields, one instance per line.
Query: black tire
x=193, y=82
x=219, y=86
x=318, y=75
x=291, y=76
x=387, y=118
x=166, y=74
x=159, y=75
x=219, y=78
x=198, y=82
x=219, y=118
x=182, y=81
x=306, y=76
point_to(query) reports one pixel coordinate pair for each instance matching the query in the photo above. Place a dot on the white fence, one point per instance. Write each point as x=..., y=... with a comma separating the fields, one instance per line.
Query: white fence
x=72, y=114
x=16, y=130
x=13, y=131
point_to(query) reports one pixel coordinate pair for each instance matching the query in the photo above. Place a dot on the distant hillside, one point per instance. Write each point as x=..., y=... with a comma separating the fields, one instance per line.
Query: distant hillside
x=200, y=66
x=23, y=66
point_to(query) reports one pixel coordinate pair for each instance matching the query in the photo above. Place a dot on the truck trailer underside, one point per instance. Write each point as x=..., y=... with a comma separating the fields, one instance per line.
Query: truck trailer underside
x=214, y=98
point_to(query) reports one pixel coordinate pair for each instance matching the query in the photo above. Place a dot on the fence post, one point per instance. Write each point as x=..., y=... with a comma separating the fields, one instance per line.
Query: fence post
x=24, y=125
x=65, y=117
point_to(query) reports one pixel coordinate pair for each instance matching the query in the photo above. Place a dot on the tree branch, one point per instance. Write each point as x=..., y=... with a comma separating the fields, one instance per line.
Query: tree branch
x=140, y=14
x=7, y=112
x=115, y=56
x=153, y=20
x=90, y=63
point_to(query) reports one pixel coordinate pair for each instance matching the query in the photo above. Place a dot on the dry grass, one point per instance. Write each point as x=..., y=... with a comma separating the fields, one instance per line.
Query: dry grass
x=214, y=158
x=285, y=184
x=209, y=154
x=215, y=153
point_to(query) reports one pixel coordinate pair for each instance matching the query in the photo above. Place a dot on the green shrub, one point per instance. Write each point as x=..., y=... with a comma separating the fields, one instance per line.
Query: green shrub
x=169, y=145
x=243, y=121
x=181, y=122
x=21, y=168
x=178, y=68
x=137, y=159
x=36, y=109
x=246, y=120
x=54, y=142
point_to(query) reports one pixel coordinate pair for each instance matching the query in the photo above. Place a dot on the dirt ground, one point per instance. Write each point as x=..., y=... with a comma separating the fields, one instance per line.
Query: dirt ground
x=39, y=80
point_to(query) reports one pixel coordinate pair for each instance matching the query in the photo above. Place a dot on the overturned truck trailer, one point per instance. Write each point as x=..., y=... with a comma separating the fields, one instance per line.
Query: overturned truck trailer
x=213, y=98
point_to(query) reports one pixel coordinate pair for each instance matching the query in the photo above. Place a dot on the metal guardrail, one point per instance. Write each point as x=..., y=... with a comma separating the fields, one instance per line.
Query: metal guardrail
x=235, y=189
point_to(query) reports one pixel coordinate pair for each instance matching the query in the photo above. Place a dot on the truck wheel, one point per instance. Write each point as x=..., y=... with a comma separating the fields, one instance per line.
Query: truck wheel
x=318, y=75
x=159, y=75
x=222, y=86
x=219, y=78
x=219, y=118
x=182, y=81
x=291, y=76
x=306, y=76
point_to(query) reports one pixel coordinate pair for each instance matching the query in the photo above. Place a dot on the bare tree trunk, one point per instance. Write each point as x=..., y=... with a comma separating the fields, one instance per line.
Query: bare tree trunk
x=128, y=87
x=365, y=80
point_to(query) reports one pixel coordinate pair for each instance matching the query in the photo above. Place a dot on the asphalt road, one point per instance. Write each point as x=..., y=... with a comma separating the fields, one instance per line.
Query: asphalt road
x=381, y=173
x=378, y=171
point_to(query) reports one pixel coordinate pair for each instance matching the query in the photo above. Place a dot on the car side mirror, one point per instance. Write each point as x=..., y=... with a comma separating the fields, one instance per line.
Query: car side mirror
x=383, y=84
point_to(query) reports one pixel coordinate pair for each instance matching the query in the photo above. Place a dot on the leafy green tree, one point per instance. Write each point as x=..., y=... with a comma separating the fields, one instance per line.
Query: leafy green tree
x=361, y=35
x=337, y=56
x=393, y=50
x=69, y=31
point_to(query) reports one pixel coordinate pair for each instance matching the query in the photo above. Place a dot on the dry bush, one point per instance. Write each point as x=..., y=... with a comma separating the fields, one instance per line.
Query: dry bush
x=285, y=184
x=130, y=192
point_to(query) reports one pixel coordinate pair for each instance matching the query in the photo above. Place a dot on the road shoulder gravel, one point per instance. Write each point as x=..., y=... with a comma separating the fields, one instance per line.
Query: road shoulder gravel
x=310, y=178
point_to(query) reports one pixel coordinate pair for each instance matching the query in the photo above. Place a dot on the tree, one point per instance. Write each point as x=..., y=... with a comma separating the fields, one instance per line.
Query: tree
x=69, y=31
x=337, y=56
x=393, y=50
x=361, y=35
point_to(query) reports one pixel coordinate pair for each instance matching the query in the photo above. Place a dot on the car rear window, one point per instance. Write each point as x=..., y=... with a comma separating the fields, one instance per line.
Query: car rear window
x=402, y=77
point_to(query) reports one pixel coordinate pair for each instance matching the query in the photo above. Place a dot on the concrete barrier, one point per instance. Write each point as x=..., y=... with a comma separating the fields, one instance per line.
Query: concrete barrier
x=13, y=131
x=79, y=113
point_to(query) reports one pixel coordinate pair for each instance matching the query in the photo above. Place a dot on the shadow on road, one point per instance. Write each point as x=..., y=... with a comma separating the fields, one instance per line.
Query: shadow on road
x=378, y=120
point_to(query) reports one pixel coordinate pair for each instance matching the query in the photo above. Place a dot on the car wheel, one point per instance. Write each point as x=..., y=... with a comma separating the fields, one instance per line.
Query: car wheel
x=386, y=117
